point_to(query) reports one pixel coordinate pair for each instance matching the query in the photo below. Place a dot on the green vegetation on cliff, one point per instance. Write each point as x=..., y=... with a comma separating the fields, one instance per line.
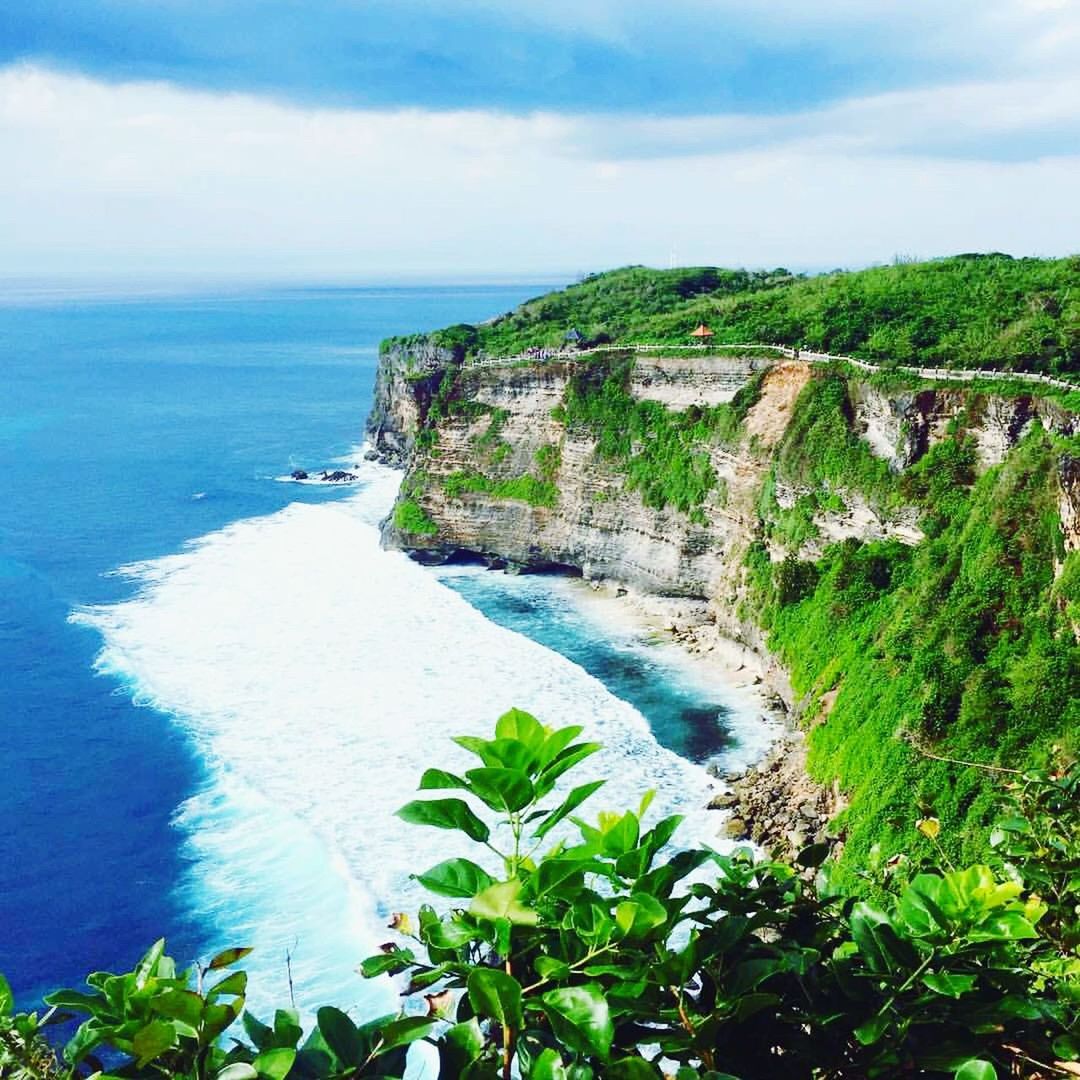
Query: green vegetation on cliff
x=410, y=517
x=662, y=453
x=960, y=647
x=527, y=489
x=965, y=311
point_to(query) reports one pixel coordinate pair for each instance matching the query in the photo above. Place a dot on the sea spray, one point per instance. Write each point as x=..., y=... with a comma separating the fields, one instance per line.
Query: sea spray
x=318, y=675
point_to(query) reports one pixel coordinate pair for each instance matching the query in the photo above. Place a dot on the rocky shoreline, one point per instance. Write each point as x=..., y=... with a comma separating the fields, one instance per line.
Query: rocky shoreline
x=777, y=806
x=773, y=803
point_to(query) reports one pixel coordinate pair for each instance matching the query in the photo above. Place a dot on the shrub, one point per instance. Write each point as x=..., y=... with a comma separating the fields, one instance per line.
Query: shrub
x=410, y=517
x=611, y=954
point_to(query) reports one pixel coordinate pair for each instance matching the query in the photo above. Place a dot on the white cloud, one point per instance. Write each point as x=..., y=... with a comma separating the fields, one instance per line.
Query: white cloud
x=145, y=175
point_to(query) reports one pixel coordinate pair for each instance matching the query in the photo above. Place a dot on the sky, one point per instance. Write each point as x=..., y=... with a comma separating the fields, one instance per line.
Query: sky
x=375, y=139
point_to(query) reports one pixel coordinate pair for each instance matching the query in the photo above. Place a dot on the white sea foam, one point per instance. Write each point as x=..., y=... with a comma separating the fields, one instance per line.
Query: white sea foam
x=319, y=675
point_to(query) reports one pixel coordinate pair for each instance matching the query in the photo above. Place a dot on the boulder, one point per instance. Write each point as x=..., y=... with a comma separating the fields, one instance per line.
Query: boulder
x=735, y=828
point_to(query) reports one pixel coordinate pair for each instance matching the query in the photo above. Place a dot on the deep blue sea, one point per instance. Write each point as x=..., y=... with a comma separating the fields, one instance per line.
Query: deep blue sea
x=215, y=687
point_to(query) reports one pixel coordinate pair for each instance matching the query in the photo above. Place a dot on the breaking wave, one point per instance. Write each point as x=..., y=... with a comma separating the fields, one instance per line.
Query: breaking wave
x=318, y=675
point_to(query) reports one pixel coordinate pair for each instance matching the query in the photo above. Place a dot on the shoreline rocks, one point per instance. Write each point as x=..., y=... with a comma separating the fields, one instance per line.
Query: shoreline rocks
x=777, y=806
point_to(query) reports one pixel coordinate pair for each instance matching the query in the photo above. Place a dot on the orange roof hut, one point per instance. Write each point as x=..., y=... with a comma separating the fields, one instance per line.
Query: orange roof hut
x=702, y=333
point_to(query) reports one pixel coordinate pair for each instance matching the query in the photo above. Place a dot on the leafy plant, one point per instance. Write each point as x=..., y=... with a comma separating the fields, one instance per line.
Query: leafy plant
x=602, y=958
x=595, y=948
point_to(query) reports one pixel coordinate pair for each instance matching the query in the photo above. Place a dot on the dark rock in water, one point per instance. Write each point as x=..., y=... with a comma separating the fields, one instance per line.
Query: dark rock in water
x=338, y=476
x=299, y=474
x=372, y=455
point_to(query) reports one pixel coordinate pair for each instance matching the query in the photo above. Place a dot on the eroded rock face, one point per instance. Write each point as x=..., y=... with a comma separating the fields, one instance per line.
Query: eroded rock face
x=405, y=383
x=901, y=427
x=679, y=382
x=1069, y=502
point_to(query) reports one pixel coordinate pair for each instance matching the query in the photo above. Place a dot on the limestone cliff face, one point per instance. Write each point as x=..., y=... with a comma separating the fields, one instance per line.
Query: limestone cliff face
x=405, y=382
x=1069, y=504
x=900, y=427
x=504, y=423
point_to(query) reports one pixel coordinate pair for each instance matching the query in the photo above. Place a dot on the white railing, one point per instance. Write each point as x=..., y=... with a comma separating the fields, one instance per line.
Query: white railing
x=943, y=374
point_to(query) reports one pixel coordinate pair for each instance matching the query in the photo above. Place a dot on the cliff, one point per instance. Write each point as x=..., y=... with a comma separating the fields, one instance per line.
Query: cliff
x=854, y=533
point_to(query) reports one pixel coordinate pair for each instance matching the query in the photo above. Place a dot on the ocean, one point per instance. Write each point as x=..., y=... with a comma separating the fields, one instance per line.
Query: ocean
x=217, y=687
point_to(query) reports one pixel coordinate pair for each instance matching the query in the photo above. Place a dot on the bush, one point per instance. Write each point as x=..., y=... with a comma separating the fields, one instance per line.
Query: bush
x=410, y=517
x=611, y=954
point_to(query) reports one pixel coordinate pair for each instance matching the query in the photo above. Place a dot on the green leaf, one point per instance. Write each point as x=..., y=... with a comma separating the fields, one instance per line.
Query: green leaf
x=813, y=855
x=90, y=1034
x=500, y=901
x=567, y=807
x=445, y=814
x=216, y=1018
x=287, y=1029
x=234, y=984
x=341, y=1035
x=548, y=1066
x=953, y=986
x=640, y=915
x=238, y=1070
x=548, y=967
x=562, y=877
x=871, y=1031
x=556, y=743
x=919, y=906
x=152, y=1041
x=1007, y=926
x=460, y=1046
x=1067, y=1047
x=7, y=998
x=395, y=961
x=455, y=878
x=438, y=779
x=275, y=1064
x=622, y=836
x=579, y=1016
x=73, y=999
x=502, y=789
x=495, y=994
x=882, y=948
x=563, y=761
x=498, y=753
x=405, y=1031
x=260, y=1034
x=522, y=726
x=183, y=1005
x=228, y=957
x=632, y=1068
x=976, y=1069
x=148, y=964
x=449, y=933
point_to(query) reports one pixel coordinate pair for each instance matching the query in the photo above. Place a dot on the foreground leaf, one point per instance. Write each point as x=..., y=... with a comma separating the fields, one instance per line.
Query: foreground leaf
x=580, y=1017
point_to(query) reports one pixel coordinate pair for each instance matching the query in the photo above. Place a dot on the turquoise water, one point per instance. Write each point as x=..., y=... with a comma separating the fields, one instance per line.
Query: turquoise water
x=207, y=740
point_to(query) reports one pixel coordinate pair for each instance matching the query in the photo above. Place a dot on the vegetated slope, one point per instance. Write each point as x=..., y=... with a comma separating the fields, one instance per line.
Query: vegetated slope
x=963, y=311
x=962, y=647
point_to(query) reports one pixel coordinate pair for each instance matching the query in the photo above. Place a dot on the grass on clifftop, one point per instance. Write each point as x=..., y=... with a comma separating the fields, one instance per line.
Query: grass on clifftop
x=964, y=311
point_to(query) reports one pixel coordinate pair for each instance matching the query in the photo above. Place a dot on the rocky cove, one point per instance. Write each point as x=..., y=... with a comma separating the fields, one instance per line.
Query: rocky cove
x=501, y=469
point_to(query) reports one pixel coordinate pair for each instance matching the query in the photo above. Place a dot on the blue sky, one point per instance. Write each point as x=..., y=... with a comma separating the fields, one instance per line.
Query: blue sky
x=670, y=58
x=389, y=136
